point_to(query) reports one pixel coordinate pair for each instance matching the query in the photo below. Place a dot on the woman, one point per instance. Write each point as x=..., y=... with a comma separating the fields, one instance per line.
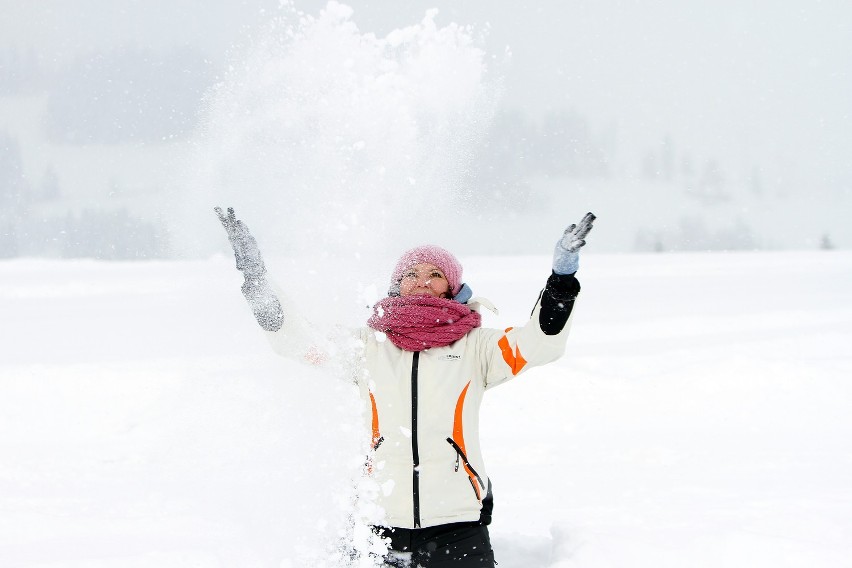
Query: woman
x=427, y=365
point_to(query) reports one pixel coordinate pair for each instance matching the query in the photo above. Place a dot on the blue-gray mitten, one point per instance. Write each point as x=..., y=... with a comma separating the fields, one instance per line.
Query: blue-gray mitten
x=566, y=257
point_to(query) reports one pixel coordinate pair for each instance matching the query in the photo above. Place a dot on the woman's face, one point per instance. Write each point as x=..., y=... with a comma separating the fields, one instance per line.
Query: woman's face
x=424, y=279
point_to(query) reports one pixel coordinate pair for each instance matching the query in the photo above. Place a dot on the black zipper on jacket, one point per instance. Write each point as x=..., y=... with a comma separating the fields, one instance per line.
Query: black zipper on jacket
x=460, y=453
x=415, y=453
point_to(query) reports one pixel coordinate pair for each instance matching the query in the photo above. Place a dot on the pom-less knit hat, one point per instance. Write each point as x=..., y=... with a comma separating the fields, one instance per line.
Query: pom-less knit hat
x=432, y=254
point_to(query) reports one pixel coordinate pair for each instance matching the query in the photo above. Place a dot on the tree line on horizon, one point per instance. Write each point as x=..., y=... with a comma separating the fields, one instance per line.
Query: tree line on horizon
x=132, y=95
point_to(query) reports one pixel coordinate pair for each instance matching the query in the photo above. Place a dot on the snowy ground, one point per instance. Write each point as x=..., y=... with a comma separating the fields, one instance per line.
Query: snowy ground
x=700, y=418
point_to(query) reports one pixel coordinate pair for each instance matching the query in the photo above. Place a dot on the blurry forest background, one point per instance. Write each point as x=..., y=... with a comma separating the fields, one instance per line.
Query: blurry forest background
x=702, y=126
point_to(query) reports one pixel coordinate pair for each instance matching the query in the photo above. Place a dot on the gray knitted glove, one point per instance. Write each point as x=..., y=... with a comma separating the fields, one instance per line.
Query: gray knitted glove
x=257, y=291
x=566, y=258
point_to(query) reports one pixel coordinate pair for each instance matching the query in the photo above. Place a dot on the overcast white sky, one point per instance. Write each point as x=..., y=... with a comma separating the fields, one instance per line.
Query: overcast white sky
x=743, y=80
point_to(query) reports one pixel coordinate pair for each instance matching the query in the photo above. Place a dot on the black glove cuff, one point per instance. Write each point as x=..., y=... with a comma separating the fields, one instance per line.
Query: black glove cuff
x=562, y=286
x=557, y=301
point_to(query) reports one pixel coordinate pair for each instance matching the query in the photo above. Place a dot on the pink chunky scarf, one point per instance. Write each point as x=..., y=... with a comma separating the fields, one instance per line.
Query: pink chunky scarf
x=415, y=323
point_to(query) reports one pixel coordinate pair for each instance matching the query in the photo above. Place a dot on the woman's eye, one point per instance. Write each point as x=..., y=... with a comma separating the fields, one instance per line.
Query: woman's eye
x=436, y=275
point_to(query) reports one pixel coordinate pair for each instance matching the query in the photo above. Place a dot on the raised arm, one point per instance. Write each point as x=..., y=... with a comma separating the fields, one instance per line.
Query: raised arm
x=542, y=339
x=256, y=289
x=562, y=287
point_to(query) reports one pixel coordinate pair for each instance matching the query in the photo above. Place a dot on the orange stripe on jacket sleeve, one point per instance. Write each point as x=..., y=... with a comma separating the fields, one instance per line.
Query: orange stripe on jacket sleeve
x=515, y=360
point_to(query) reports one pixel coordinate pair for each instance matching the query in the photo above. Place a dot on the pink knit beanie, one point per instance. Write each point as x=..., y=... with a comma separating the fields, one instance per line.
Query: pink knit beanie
x=432, y=254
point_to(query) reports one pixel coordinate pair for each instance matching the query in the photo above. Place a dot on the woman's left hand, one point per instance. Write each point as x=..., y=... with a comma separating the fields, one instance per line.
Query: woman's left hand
x=566, y=259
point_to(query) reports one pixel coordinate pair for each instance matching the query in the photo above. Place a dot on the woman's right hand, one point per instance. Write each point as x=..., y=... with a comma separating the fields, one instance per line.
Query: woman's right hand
x=246, y=251
x=257, y=291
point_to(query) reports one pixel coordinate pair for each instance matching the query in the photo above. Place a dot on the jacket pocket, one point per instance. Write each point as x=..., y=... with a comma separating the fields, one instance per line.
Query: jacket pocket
x=474, y=478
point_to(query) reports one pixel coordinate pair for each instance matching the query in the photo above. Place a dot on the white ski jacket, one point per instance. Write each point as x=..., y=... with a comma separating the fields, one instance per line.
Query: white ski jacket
x=423, y=412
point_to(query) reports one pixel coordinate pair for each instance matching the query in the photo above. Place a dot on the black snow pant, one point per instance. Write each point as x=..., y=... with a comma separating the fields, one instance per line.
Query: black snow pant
x=455, y=545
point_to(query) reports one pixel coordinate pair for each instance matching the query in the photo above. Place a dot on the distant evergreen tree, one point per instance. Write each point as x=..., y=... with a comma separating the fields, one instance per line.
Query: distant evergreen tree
x=111, y=235
x=20, y=75
x=12, y=181
x=687, y=168
x=649, y=166
x=49, y=189
x=755, y=181
x=667, y=158
x=13, y=210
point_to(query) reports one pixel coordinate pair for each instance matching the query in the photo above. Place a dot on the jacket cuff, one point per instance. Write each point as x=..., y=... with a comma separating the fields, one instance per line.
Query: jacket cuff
x=557, y=301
